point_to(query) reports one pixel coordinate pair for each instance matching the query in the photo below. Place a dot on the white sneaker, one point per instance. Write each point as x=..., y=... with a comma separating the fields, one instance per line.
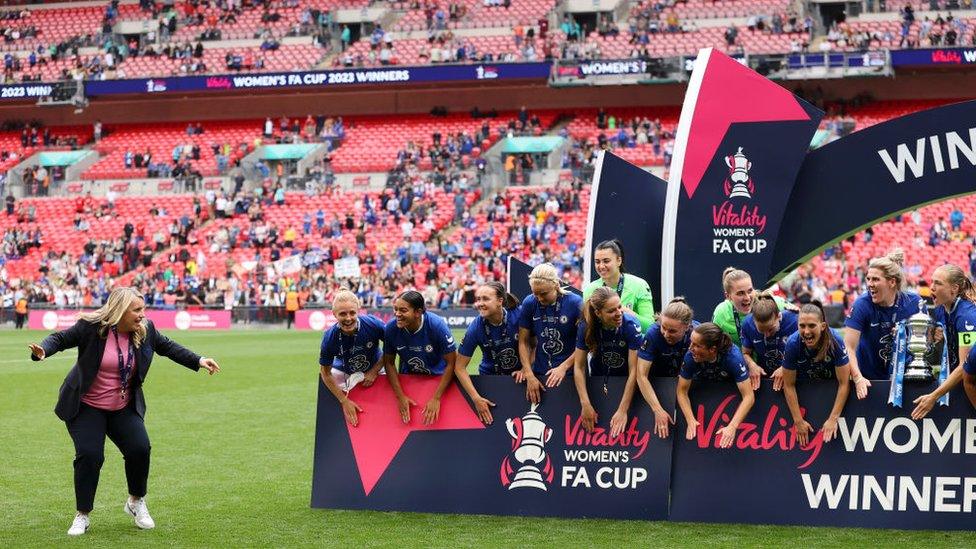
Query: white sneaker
x=140, y=512
x=78, y=526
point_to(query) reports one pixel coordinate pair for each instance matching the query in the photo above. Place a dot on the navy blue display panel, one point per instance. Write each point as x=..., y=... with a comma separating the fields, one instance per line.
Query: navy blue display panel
x=628, y=204
x=527, y=462
x=740, y=141
x=873, y=174
x=884, y=470
x=518, y=279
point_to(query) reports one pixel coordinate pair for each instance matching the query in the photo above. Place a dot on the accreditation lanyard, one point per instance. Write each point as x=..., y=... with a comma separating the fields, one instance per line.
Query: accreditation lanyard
x=894, y=322
x=620, y=286
x=352, y=348
x=776, y=342
x=125, y=364
x=603, y=355
x=550, y=324
x=490, y=343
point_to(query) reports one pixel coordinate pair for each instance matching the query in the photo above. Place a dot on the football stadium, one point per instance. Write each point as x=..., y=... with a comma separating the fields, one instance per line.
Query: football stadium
x=456, y=273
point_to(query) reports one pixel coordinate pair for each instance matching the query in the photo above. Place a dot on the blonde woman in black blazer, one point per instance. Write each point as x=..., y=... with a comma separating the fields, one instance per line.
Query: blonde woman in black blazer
x=102, y=395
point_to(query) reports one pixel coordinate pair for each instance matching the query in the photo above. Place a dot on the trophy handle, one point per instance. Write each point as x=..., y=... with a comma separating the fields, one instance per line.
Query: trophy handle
x=515, y=430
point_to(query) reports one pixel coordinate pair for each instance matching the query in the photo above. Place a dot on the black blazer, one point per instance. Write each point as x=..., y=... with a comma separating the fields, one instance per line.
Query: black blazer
x=91, y=346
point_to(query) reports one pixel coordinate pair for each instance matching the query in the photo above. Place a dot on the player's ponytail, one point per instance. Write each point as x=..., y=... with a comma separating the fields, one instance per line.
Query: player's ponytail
x=508, y=300
x=678, y=310
x=765, y=307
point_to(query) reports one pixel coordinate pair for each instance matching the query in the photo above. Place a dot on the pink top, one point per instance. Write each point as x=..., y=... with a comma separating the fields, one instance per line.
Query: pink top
x=105, y=391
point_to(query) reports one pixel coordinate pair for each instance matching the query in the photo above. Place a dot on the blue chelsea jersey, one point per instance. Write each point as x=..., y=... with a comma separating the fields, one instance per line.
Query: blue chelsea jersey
x=768, y=351
x=960, y=319
x=554, y=327
x=665, y=359
x=876, y=323
x=729, y=365
x=353, y=353
x=420, y=352
x=613, y=347
x=804, y=360
x=499, y=344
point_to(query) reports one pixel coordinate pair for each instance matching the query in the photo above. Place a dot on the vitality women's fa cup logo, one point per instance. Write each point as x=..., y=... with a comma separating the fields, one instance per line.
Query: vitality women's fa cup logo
x=739, y=184
x=529, y=437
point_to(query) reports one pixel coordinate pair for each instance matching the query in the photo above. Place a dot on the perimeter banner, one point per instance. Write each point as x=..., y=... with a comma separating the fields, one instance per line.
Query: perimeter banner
x=627, y=203
x=62, y=319
x=532, y=460
x=884, y=470
x=378, y=76
x=740, y=141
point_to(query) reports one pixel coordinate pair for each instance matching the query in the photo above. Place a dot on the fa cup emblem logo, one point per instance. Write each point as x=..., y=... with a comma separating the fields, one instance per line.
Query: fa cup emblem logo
x=529, y=436
x=739, y=184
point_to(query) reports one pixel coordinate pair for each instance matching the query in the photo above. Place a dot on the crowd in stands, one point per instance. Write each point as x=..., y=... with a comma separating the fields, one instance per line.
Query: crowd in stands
x=910, y=32
x=226, y=246
x=184, y=38
x=168, y=269
x=834, y=277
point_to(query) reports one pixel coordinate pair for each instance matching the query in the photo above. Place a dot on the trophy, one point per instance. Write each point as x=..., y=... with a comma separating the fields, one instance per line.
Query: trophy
x=529, y=434
x=920, y=329
x=739, y=167
x=914, y=336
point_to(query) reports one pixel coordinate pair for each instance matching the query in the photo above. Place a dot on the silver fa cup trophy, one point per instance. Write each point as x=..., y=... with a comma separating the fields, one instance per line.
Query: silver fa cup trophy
x=920, y=342
x=531, y=435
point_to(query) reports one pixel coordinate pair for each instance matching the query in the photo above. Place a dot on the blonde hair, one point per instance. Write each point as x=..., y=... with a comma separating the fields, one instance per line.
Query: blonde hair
x=730, y=276
x=546, y=273
x=679, y=310
x=110, y=314
x=890, y=266
x=956, y=277
x=346, y=295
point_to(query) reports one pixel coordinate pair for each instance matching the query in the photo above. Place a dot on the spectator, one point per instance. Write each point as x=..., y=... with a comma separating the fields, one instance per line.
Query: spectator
x=956, y=218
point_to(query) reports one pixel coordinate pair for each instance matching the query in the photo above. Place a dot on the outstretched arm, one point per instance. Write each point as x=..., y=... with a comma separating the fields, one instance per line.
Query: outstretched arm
x=587, y=414
x=172, y=350
x=852, y=338
x=349, y=408
x=619, y=419
x=432, y=409
x=661, y=418
x=59, y=341
x=727, y=433
x=684, y=403
x=481, y=404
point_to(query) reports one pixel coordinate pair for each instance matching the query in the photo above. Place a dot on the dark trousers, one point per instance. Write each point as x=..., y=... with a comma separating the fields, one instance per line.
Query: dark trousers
x=126, y=429
x=20, y=320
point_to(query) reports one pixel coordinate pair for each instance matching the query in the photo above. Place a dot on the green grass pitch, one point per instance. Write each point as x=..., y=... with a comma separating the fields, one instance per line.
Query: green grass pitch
x=232, y=466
